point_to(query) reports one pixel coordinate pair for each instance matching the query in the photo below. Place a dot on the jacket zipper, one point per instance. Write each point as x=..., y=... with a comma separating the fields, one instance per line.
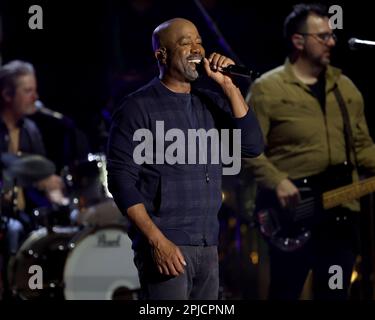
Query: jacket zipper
x=204, y=239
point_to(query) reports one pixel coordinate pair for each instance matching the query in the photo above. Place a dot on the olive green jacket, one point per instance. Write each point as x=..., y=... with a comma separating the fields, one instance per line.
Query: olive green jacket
x=300, y=139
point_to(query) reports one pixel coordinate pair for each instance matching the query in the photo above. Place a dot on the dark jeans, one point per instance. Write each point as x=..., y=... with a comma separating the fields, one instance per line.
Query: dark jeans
x=199, y=282
x=334, y=242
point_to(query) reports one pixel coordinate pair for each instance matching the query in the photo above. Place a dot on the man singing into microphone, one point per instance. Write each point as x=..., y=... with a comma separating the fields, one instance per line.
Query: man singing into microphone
x=298, y=108
x=173, y=207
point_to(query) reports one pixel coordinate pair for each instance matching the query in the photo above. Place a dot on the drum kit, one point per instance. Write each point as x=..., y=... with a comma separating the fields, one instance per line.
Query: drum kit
x=82, y=248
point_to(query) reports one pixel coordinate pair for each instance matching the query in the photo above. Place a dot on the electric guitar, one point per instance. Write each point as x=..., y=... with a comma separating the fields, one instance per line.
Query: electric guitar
x=290, y=229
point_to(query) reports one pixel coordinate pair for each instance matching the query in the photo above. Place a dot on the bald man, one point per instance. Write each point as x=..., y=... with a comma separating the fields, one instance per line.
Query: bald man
x=173, y=205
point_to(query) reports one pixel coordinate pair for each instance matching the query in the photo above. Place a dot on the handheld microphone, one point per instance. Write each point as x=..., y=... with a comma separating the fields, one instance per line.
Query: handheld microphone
x=42, y=109
x=355, y=43
x=233, y=70
x=240, y=71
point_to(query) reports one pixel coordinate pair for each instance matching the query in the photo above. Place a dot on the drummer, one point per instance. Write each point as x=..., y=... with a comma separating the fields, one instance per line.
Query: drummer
x=20, y=135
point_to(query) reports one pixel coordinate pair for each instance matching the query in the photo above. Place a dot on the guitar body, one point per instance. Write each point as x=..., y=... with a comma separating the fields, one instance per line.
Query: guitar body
x=290, y=229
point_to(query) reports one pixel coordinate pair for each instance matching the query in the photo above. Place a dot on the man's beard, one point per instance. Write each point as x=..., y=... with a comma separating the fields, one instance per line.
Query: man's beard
x=191, y=71
x=320, y=61
x=191, y=74
x=325, y=61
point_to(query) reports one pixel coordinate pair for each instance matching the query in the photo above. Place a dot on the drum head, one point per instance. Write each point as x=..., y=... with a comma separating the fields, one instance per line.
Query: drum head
x=47, y=250
x=99, y=265
x=101, y=214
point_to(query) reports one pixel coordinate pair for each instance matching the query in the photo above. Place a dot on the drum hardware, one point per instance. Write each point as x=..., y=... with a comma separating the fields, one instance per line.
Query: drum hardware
x=22, y=171
x=101, y=161
x=52, y=216
x=87, y=181
x=26, y=169
x=93, y=263
x=93, y=204
x=47, y=250
x=93, y=260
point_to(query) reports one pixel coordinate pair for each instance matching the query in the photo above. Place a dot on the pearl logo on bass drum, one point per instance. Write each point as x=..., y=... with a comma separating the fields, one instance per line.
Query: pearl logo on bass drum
x=105, y=242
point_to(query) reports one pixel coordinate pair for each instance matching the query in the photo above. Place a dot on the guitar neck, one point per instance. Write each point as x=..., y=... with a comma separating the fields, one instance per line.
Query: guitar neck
x=350, y=192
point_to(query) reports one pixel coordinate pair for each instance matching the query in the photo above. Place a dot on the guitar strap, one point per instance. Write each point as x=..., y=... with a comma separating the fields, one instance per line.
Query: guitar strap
x=349, y=143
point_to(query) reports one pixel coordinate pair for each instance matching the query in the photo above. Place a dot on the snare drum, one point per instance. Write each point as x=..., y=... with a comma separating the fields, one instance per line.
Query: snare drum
x=47, y=250
x=100, y=264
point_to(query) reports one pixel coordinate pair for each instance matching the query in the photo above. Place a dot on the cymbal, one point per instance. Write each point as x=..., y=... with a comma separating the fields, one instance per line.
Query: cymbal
x=27, y=168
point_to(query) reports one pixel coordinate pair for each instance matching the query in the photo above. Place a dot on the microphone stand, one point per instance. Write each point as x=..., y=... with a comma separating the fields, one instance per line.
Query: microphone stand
x=215, y=30
x=220, y=38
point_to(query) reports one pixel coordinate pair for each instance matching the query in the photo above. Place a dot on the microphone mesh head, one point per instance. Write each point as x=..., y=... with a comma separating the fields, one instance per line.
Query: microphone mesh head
x=38, y=104
x=352, y=42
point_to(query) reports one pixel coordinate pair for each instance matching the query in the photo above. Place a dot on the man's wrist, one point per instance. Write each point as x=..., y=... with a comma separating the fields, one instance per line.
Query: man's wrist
x=154, y=237
x=230, y=89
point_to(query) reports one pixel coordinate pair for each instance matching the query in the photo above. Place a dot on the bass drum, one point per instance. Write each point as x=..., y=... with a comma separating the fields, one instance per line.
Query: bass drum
x=100, y=266
x=44, y=249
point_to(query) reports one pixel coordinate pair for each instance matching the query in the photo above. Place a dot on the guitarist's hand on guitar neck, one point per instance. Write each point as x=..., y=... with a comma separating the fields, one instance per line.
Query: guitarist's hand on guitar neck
x=288, y=194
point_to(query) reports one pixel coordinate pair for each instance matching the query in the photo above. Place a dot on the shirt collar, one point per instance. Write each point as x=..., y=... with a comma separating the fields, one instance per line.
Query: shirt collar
x=332, y=76
x=20, y=124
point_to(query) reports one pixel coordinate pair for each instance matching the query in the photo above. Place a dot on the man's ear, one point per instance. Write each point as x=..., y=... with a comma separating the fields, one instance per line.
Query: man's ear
x=298, y=41
x=6, y=95
x=161, y=55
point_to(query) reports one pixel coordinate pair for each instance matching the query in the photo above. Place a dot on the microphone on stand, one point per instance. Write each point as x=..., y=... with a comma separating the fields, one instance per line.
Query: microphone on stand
x=355, y=43
x=42, y=109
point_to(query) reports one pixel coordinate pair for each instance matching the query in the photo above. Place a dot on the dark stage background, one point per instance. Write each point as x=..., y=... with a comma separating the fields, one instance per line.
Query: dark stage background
x=90, y=54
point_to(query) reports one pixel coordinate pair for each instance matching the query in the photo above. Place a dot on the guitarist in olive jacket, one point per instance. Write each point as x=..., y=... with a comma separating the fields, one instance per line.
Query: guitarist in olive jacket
x=310, y=149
